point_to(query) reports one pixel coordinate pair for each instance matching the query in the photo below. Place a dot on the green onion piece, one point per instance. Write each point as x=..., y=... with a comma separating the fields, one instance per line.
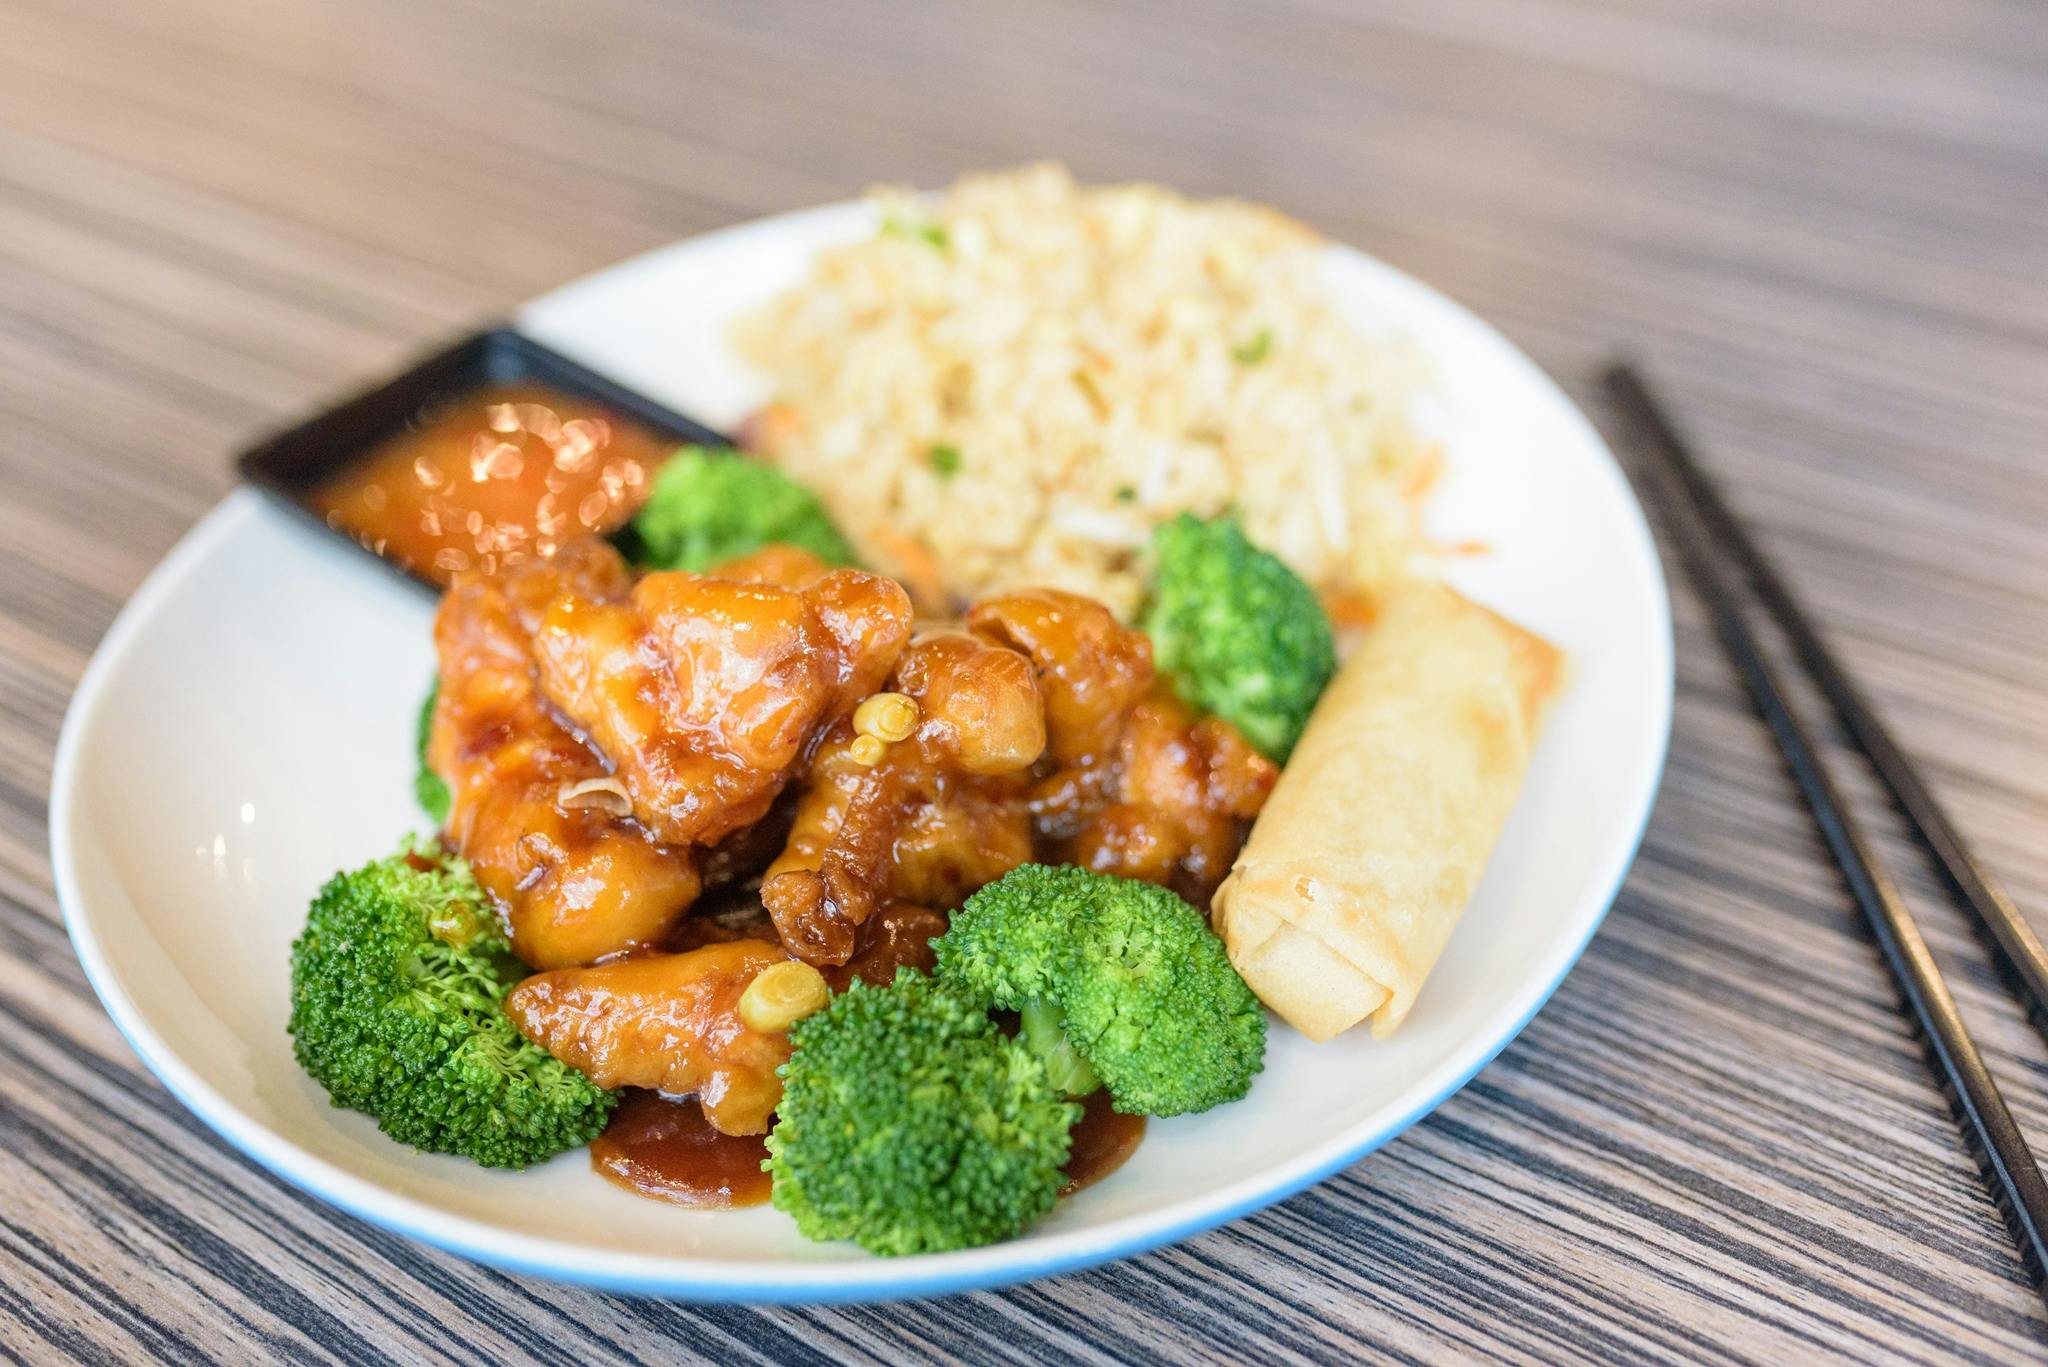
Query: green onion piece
x=931, y=234
x=1254, y=351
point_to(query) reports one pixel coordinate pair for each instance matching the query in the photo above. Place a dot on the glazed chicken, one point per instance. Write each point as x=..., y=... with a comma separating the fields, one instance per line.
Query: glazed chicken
x=898, y=935
x=1142, y=789
x=669, y=1022
x=575, y=881
x=703, y=691
x=1091, y=668
x=1041, y=731
x=935, y=815
x=917, y=771
x=792, y=567
x=687, y=698
x=1171, y=803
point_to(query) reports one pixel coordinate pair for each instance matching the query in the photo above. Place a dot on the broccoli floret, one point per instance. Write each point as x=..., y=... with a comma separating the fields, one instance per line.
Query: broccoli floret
x=1012, y=942
x=711, y=506
x=1150, y=1002
x=397, y=985
x=1238, y=632
x=910, y=1124
x=429, y=787
x=1043, y=1028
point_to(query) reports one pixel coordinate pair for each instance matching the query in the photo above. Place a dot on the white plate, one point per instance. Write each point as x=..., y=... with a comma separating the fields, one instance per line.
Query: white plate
x=246, y=729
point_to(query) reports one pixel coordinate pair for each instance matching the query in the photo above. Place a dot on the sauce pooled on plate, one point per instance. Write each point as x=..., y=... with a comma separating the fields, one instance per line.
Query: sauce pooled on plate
x=666, y=1149
x=1103, y=1139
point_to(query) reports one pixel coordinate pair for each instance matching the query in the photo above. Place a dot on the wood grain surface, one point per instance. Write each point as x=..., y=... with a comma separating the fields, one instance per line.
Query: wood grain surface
x=1821, y=226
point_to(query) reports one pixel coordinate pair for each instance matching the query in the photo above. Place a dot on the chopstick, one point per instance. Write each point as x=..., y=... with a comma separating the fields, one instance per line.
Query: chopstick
x=1979, y=889
x=1694, y=522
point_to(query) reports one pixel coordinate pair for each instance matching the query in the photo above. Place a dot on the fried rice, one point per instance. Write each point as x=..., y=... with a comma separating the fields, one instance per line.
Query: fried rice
x=1014, y=382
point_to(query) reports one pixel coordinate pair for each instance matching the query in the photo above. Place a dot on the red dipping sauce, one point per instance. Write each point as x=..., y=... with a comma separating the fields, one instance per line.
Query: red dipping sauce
x=498, y=475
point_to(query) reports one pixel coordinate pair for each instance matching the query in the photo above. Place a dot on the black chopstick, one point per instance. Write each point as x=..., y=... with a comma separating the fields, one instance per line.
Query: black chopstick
x=1978, y=888
x=1898, y=934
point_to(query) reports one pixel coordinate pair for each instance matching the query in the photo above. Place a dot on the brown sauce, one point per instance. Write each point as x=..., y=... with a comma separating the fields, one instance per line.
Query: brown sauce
x=898, y=936
x=498, y=476
x=667, y=1150
x=1102, y=1140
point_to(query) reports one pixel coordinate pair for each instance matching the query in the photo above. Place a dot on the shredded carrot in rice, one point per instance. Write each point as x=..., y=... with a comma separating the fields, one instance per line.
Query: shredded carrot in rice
x=911, y=562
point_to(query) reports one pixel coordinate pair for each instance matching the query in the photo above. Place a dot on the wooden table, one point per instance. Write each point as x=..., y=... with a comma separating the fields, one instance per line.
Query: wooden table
x=1822, y=226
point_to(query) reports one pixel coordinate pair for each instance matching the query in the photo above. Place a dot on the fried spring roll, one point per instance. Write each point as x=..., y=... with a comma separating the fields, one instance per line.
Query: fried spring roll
x=1383, y=820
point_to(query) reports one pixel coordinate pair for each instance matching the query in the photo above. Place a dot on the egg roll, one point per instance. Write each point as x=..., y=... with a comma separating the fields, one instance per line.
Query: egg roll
x=1382, y=822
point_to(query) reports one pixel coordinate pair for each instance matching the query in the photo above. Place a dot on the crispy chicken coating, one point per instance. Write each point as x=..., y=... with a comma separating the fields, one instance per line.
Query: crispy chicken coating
x=703, y=691
x=980, y=706
x=939, y=814
x=669, y=1022
x=898, y=936
x=1142, y=789
x=833, y=872
x=778, y=562
x=1091, y=668
x=1172, y=804
x=575, y=883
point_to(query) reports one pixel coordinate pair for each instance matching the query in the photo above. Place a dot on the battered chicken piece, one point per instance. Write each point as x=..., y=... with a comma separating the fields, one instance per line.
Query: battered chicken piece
x=835, y=869
x=939, y=815
x=778, y=562
x=1091, y=668
x=669, y=1022
x=979, y=703
x=1181, y=794
x=703, y=691
x=899, y=935
x=1143, y=790
x=962, y=836
x=574, y=883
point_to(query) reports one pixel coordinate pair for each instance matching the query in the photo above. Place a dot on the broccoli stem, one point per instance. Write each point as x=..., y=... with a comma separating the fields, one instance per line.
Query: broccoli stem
x=1045, y=1033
